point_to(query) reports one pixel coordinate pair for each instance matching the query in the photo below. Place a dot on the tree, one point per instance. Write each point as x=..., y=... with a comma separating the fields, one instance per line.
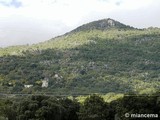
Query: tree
x=6, y=110
x=71, y=109
x=94, y=108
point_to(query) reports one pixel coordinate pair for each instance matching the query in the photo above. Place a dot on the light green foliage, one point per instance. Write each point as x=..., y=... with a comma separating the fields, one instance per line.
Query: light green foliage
x=109, y=97
x=112, y=97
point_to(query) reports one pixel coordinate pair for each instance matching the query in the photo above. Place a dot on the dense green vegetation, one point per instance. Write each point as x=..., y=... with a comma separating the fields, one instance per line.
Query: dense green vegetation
x=117, y=59
x=93, y=108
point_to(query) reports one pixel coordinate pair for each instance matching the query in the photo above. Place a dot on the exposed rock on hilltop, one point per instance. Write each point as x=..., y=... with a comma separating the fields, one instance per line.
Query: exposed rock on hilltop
x=103, y=24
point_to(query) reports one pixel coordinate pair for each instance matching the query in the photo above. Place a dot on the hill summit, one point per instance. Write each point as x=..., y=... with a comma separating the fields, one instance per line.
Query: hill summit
x=103, y=24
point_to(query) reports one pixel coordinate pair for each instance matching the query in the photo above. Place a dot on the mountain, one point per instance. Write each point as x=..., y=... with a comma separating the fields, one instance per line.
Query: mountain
x=99, y=57
x=104, y=24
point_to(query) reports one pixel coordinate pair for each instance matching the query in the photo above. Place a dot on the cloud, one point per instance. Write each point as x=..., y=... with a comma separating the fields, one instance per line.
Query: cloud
x=32, y=21
x=10, y=3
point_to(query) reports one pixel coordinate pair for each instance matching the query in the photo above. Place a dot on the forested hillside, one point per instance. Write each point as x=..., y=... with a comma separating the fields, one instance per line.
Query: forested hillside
x=99, y=57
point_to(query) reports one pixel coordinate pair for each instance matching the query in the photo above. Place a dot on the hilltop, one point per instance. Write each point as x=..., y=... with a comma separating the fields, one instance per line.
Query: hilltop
x=98, y=57
x=104, y=24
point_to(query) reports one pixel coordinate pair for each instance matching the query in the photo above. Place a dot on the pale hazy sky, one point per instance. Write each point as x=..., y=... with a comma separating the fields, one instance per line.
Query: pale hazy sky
x=33, y=21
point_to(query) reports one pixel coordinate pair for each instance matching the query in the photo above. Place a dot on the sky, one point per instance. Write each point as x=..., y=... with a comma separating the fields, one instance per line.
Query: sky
x=33, y=21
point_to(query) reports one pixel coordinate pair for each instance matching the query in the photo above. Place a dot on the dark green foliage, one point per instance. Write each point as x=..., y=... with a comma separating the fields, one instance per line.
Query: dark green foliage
x=140, y=104
x=71, y=109
x=94, y=108
x=40, y=108
x=7, y=110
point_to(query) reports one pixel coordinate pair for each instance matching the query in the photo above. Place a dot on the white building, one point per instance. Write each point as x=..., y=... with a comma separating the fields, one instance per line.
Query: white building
x=28, y=86
x=57, y=76
x=45, y=82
